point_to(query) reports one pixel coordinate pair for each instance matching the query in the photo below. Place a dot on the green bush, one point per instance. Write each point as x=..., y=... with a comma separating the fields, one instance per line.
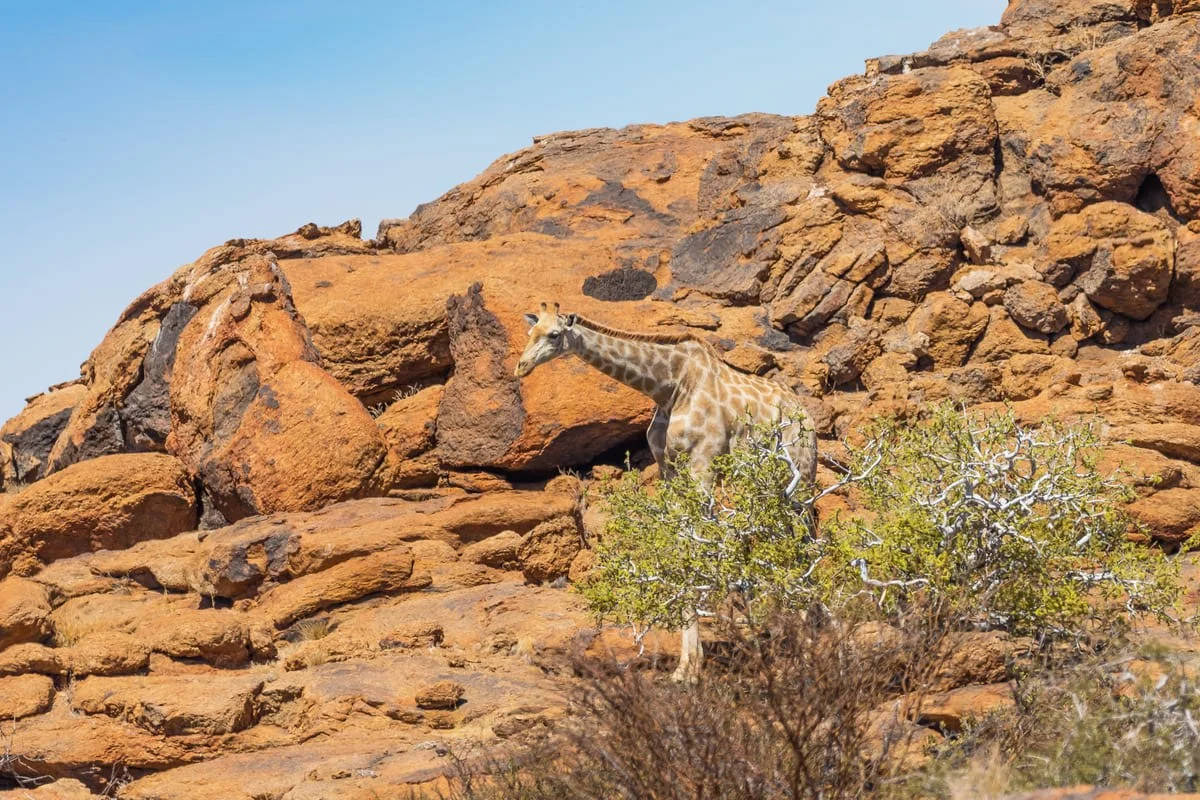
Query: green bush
x=1006, y=527
x=1000, y=525
x=683, y=546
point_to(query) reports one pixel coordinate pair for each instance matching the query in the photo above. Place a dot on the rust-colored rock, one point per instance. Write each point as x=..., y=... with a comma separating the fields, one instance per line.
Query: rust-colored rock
x=26, y=658
x=108, y=653
x=24, y=612
x=254, y=415
x=950, y=327
x=378, y=573
x=915, y=127
x=62, y=744
x=110, y=502
x=954, y=709
x=1008, y=217
x=546, y=552
x=171, y=706
x=498, y=551
x=979, y=657
x=65, y=789
x=1035, y=305
x=443, y=694
x=25, y=695
x=31, y=434
x=409, y=426
x=1003, y=339
x=1170, y=516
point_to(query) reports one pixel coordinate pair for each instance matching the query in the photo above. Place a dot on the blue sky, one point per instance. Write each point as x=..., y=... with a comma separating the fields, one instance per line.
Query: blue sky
x=135, y=135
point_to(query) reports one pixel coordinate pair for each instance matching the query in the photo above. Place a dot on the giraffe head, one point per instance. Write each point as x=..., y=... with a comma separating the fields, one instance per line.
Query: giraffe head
x=549, y=338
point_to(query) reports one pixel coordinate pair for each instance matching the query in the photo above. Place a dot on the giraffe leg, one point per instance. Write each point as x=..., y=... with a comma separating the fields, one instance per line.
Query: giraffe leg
x=656, y=437
x=691, y=650
x=691, y=653
x=803, y=453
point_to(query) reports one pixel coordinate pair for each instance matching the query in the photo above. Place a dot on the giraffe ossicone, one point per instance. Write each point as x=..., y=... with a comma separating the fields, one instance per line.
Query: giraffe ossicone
x=703, y=404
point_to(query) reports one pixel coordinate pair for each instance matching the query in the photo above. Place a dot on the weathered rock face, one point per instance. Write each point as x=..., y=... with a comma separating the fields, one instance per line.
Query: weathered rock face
x=255, y=416
x=108, y=502
x=988, y=198
x=24, y=612
x=317, y=633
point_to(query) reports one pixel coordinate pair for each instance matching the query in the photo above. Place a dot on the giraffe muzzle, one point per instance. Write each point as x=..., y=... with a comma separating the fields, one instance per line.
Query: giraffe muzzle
x=522, y=369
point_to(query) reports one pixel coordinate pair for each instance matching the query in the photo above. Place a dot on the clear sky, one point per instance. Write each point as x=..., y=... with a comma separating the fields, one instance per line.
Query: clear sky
x=135, y=135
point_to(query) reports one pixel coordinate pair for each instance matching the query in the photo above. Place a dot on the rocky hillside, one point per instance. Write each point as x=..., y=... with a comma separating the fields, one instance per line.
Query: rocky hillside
x=296, y=489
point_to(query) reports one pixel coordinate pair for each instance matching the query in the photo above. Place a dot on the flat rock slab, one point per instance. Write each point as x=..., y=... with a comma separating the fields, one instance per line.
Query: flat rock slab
x=350, y=766
x=109, y=502
x=173, y=706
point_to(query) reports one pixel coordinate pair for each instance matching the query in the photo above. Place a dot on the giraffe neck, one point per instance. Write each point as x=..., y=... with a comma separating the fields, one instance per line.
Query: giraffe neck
x=648, y=367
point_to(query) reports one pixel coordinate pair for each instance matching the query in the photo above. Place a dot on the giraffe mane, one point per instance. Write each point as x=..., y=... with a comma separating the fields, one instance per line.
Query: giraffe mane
x=636, y=336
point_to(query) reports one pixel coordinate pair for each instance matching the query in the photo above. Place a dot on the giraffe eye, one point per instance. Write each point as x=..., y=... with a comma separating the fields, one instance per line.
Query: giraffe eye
x=552, y=335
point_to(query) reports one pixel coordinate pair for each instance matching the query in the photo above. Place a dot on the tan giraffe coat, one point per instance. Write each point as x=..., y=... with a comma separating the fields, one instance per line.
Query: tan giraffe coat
x=703, y=404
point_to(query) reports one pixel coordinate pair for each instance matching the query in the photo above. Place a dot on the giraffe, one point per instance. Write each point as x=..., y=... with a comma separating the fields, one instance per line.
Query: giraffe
x=702, y=404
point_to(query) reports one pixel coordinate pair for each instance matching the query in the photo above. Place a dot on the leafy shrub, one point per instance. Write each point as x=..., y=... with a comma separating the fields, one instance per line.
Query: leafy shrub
x=1008, y=527
x=964, y=522
x=685, y=546
x=1000, y=525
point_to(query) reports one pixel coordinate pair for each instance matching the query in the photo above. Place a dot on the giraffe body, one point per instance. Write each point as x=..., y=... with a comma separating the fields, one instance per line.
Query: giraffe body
x=703, y=404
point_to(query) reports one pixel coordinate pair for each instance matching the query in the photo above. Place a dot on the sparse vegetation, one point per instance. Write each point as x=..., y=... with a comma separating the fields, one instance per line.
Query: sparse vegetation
x=999, y=525
x=1007, y=527
x=313, y=628
x=795, y=712
x=406, y=392
x=1116, y=722
x=68, y=630
x=684, y=547
x=964, y=522
x=403, y=393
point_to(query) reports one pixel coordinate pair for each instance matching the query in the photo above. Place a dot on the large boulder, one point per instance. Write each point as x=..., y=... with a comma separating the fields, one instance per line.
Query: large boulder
x=25, y=695
x=31, y=434
x=1123, y=258
x=932, y=129
x=253, y=413
x=110, y=502
x=173, y=705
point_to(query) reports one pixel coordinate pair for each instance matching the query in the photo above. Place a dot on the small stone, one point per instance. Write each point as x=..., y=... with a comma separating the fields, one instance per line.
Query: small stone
x=546, y=552
x=1035, y=305
x=443, y=694
x=413, y=634
x=499, y=551
x=976, y=245
x=979, y=282
x=750, y=358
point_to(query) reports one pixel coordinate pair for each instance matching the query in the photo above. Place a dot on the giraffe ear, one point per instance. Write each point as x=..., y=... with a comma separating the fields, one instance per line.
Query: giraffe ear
x=570, y=320
x=532, y=319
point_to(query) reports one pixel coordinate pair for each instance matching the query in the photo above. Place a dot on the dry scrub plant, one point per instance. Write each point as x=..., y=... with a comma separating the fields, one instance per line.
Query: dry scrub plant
x=685, y=547
x=1008, y=527
x=1097, y=723
x=795, y=710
